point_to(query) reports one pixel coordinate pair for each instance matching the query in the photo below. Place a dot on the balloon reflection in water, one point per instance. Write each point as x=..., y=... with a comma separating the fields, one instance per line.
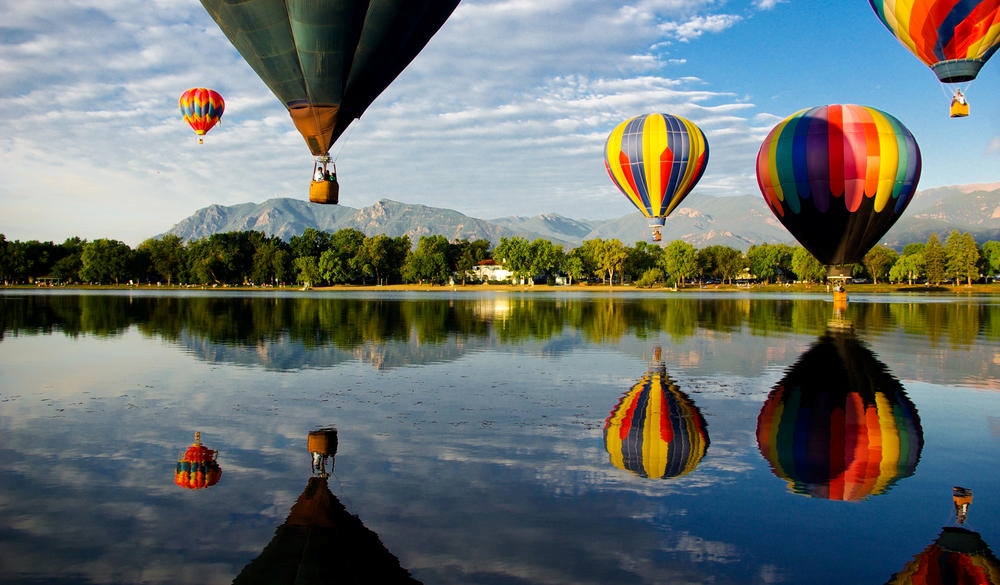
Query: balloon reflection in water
x=197, y=468
x=320, y=541
x=958, y=556
x=655, y=430
x=839, y=425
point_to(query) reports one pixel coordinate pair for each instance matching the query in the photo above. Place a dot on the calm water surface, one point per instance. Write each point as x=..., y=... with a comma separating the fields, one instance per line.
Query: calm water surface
x=496, y=437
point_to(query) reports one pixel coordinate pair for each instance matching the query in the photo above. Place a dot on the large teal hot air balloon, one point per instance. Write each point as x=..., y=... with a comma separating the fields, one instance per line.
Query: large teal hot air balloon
x=655, y=160
x=327, y=60
x=838, y=177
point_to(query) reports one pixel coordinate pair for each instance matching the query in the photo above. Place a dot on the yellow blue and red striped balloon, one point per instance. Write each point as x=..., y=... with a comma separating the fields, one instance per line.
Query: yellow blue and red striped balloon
x=655, y=430
x=838, y=177
x=202, y=109
x=655, y=160
x=954, y=38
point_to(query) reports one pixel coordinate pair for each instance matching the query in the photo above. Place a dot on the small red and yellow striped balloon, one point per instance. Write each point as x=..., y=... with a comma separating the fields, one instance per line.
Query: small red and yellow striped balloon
x=197, y=468
x=202, y=109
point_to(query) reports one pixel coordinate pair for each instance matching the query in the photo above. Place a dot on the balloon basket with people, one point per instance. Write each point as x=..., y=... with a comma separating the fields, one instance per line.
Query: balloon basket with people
x=324, y=188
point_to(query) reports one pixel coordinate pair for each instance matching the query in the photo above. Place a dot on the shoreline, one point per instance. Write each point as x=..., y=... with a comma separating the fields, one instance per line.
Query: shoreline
x=993, y=288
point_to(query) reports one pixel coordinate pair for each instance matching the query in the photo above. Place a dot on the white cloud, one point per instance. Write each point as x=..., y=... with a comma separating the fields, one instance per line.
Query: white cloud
x=505, y=112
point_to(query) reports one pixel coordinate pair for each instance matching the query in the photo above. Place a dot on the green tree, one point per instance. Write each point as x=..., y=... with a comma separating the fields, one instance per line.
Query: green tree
x=166, y=256
x=934, y=260
x=768, y=260
x=680, y=261
x=67, y=267
x=878, y=261
x=573, y=267
x=105, y=261
x=515, y=255
x=343, y=261
x=546, y=257
x=806, y=267
x=271, y=263
x=908, y=267
x=307, y=271
x=312, y=242
x=961, y=257
x=642, y=257
x=991, y=255
x=429, y=262
x=382, y=257
x=610, y=257
x=722, y=262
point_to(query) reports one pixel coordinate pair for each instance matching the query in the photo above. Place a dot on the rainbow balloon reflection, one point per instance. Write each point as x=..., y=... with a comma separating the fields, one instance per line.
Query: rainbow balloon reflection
x=839, y=425
x=655, y=430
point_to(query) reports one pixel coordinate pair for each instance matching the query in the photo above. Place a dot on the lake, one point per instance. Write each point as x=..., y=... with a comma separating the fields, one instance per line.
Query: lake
x=497, y=438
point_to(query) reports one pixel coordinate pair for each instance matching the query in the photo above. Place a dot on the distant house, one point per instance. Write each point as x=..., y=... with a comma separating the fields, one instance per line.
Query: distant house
x=489, y=270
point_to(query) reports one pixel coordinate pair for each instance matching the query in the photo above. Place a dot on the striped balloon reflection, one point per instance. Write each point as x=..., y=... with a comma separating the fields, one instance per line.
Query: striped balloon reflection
x=839, y=425
x=655, y=430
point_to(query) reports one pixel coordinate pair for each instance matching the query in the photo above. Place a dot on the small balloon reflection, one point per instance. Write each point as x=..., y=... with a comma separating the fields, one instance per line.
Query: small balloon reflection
x=958, y=556
x=839, y=425
x=197, y=467
x=655, y=430
x=320, y=541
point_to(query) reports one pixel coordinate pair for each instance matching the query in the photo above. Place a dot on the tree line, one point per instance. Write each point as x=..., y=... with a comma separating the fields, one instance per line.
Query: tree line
x=348, y=256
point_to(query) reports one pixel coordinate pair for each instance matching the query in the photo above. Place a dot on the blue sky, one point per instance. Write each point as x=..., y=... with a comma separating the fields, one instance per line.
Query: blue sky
x=504, y=113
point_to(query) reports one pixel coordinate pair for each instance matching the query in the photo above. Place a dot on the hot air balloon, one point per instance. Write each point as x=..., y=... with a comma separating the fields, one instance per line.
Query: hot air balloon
x=838, y=177
x=655, y=430
x=954, y=38
x=197, y=468
x=656, y=160
x=959, y=556
x=320, y=541
x=839, y=426
x=202, y=109
x=327, y=60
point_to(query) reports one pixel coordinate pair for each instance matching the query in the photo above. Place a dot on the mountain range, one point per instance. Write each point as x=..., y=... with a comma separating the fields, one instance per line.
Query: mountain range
x=738, y=222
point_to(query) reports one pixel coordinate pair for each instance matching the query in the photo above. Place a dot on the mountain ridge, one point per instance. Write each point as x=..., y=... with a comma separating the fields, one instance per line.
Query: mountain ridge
x=738, y=222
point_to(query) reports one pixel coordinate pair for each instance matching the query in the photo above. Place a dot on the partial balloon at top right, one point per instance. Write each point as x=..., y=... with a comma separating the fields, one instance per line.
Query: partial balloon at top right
x=954, y=38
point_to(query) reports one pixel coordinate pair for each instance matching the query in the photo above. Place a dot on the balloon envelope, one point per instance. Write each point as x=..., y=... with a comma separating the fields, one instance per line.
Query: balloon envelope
x=954, y=38
x=197, y=468
x=655, y=160
x=202, y=108
x=655, y=430
x=327, y=60
x=838, y=177
x=838, y=425
x=957, y=557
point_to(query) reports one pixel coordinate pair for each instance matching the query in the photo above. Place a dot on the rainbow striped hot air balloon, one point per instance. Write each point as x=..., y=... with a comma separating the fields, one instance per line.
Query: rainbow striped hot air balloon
x=954, y=38
x=838, y=177
x=655, y=430
x=838, y=425
x=202, y=109
x=655, y=160
x=197, y=468
x=957, y=557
